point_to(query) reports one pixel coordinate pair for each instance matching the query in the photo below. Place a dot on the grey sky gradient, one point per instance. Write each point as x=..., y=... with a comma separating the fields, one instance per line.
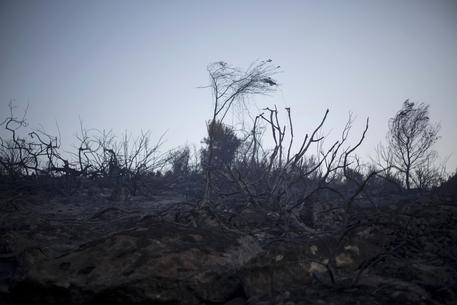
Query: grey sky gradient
x=138, y=64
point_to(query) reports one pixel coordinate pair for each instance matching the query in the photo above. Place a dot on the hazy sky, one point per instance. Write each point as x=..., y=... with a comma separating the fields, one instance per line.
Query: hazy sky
x=138, y=64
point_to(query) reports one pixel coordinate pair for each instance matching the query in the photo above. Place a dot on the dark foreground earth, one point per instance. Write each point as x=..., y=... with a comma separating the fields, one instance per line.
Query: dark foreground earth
x=90, y=250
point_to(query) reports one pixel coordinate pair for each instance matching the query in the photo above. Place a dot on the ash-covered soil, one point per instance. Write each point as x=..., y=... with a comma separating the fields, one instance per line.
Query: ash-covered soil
x=84, y=249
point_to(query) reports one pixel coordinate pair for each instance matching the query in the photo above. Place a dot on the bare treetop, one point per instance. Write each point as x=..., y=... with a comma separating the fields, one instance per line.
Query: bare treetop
x=230, y=84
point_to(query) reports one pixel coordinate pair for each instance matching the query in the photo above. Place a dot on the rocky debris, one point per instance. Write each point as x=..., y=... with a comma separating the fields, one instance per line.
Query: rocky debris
x=155, y=262
x=91, y=253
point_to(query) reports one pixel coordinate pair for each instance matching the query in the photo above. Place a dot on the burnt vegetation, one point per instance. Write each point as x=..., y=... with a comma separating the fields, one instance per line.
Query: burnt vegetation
x=311, y=221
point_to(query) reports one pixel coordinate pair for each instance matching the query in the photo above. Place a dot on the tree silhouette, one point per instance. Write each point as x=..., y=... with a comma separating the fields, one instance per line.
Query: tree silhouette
x=231, y=85
x=410, y=139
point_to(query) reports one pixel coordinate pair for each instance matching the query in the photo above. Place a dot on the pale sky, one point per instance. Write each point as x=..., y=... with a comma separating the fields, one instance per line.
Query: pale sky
x=138, y=64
